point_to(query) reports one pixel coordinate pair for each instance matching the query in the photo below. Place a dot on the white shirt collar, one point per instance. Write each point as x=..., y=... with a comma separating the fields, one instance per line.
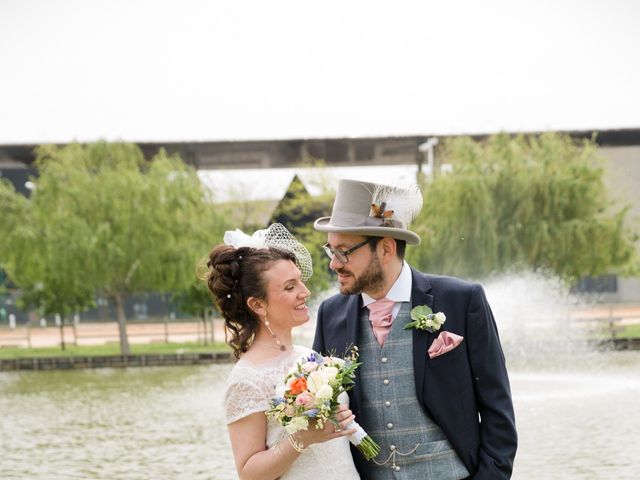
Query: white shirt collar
x=400, y=291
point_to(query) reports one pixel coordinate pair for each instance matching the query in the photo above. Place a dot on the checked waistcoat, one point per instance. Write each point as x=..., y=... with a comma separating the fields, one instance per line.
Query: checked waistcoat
x=412, y=445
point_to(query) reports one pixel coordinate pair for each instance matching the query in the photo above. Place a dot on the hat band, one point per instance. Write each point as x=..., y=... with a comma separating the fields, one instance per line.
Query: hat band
x=347, y=220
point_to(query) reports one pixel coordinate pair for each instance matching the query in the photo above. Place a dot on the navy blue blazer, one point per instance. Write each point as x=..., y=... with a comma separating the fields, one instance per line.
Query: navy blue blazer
x=466, y=391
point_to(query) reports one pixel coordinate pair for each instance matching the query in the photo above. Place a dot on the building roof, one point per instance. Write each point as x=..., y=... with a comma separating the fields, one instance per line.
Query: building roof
x=284, y=153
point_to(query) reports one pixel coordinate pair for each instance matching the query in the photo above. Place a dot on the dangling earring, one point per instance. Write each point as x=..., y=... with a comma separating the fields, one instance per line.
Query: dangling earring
x=273, y=335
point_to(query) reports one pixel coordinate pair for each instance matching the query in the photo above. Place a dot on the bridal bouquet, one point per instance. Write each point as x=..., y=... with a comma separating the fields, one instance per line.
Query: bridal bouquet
x=312, y=390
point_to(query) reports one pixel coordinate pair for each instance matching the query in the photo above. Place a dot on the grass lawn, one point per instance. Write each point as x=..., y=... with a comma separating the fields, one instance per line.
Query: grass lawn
x=112, y=349
x=630, y=331
x=605, y=333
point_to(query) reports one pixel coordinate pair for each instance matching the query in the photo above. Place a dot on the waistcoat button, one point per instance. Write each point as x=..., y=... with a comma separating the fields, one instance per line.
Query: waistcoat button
x=386, y=381
x=389, y=425
x=384, y=359
x=387, y=403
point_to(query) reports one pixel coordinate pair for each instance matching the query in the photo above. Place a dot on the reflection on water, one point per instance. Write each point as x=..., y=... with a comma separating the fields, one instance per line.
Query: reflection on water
x=578, y=420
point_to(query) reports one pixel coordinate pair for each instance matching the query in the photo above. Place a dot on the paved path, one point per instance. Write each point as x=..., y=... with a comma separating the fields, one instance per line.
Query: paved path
x=101, y=333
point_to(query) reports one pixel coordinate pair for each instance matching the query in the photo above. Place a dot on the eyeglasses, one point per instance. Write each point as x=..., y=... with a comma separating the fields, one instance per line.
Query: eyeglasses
x=342, y=255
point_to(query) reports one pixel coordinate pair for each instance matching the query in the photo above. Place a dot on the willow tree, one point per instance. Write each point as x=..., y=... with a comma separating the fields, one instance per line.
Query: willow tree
x=534, y=202
x=39, y=260
x=102, y=219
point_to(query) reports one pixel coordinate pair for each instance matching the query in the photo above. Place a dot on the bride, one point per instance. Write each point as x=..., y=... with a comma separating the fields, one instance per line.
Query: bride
x=257, y=284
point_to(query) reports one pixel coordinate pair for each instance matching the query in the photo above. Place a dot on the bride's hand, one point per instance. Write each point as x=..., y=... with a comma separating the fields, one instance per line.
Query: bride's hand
x=312, y=435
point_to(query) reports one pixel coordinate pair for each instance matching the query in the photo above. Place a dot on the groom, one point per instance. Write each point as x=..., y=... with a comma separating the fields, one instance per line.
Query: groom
x=436, y=397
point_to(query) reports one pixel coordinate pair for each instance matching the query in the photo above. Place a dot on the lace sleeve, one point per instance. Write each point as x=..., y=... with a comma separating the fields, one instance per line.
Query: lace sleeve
x=245, y=395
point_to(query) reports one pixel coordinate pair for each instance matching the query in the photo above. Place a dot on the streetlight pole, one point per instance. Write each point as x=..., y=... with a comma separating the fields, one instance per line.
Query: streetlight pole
x=427, y=148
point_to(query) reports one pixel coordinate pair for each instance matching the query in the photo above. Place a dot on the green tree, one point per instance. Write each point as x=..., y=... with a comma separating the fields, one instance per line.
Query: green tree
x=102, y=219
x=535, y=202
x=297, y=211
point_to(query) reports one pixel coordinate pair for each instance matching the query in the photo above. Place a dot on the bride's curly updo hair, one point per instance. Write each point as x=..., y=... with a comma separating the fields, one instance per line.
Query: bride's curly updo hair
x=234, y=275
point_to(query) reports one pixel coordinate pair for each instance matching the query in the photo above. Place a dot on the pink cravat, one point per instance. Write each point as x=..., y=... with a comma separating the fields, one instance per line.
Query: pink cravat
x=381, y=318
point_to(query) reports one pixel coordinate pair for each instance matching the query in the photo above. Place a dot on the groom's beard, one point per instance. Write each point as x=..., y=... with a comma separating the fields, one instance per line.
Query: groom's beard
x=371, y=280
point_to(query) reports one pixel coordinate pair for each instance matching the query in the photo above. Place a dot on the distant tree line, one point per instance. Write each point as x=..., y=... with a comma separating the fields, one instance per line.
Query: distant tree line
x=529, y=202
x=103, y=220
x=535, y=202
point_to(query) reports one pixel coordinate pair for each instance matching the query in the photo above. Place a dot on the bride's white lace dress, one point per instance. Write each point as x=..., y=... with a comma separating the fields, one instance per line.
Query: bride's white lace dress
x=250, y=388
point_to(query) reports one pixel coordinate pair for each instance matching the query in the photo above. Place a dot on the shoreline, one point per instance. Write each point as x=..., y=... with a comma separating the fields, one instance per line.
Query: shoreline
x=203, y=358
x=113, y=361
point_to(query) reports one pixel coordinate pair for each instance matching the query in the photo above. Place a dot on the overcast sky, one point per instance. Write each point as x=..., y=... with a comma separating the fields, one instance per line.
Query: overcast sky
x=154, y=70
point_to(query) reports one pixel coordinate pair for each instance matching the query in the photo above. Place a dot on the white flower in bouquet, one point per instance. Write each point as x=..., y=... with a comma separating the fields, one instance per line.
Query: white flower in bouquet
x=324, y=393
x=316, y=380
x=331, y=374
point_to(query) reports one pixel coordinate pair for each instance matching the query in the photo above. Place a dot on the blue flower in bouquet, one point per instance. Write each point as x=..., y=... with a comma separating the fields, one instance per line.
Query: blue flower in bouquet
x=315, y=357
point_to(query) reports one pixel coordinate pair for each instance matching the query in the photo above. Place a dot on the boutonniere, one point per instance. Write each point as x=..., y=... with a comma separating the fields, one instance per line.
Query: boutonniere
x=424, y=319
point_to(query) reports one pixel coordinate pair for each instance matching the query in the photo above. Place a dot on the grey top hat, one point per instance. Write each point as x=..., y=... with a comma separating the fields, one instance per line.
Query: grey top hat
x=373, y=210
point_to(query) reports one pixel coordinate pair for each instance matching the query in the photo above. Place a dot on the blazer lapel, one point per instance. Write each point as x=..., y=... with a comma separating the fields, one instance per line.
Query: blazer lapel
x=353, y=317
x=420, y=295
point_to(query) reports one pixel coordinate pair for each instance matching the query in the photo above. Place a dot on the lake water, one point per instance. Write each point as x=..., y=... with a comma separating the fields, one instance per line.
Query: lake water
x=577, y=410
x=578, y=418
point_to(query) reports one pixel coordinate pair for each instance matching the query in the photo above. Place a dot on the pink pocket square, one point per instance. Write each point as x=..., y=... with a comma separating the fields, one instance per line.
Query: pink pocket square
x=445, y=342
